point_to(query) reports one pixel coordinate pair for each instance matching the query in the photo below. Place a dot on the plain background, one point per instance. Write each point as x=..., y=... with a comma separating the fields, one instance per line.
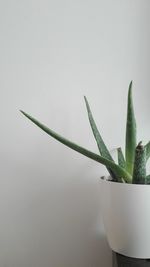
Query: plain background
x=51, y=54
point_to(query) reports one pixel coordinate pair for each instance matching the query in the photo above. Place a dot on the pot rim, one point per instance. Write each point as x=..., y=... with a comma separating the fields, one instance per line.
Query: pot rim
x=108, y=180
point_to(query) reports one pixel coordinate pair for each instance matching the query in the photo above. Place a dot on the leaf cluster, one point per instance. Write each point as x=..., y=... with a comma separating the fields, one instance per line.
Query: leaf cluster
x=130, y=168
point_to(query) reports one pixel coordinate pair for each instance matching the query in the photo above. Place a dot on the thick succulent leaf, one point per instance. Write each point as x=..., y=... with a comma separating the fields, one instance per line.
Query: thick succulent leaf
x=130, y=133
x=122, y=180
x=110, y=164
x=139, y=171
x=121, y=159
x=147, y=147
x=148, y=179
x=100, y=143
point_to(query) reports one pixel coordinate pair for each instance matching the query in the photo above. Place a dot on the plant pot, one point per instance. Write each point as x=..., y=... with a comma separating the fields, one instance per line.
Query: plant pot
x=123, y=261
x=126, y=216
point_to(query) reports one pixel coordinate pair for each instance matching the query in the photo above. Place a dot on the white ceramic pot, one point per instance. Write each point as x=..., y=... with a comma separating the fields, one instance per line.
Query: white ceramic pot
x=126, y=216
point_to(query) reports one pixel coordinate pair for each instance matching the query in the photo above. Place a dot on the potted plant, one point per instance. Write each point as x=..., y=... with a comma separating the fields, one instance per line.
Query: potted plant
x=125, y=194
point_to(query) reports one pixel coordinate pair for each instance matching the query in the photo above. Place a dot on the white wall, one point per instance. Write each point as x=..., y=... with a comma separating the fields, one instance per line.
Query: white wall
x=52, y=53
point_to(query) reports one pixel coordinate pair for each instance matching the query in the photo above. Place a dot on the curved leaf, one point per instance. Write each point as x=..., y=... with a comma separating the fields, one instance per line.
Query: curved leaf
x=100, y=143
x=117, y=169
x=121, y=159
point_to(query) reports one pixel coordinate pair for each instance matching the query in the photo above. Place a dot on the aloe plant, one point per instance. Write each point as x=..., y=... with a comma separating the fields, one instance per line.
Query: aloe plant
x=129, y=169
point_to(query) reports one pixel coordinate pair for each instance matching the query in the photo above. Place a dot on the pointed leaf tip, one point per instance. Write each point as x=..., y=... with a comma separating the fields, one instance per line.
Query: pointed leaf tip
x=100, y=143
x=130, y=88
x=86, y=101
x=24, y=113
x=108, y=163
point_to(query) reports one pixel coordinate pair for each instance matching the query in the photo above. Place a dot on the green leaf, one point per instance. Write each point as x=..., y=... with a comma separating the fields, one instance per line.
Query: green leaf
x=100, y=143
x=147, y=147
x=121, y=159
x=148, y=179
x=139, y=171
x=130, y=133
x=116, y=169
x=122, y=180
